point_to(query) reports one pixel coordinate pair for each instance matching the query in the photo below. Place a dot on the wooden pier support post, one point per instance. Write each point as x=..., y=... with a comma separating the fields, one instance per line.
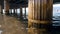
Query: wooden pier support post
x=6, y=7
x=1, y=9
x=25, y=12
x=39, y=16
x=11, y=11
x=21, y=15
x=14, y=12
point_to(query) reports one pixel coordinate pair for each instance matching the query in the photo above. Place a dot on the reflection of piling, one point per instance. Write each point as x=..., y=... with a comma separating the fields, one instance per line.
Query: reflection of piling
x=39, y=16
x=1, y=31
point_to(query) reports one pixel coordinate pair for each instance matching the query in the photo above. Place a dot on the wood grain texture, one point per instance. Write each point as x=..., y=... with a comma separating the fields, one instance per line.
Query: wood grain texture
x=39, y=13
x=40, y=10
x=6, y=6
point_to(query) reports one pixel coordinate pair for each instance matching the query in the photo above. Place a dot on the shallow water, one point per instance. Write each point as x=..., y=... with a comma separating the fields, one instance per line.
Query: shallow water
x=56, y=21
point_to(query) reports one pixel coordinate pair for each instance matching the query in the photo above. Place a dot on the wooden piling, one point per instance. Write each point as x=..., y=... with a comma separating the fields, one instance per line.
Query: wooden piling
x=39, y=16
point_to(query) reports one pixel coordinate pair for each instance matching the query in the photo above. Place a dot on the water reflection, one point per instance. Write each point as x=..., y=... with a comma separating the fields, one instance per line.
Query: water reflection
x=56, y=14
x=56, y=21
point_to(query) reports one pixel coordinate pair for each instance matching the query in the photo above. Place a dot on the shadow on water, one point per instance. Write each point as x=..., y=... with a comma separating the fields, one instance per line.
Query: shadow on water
x=55, y=29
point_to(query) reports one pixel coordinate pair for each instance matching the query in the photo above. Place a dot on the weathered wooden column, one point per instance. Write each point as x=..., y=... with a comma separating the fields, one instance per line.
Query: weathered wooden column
x=11, y=11
x=25, y=12
x=1, y=9
x=21, y=15
x=39, y=16
x=6, y=7
x=14, y=11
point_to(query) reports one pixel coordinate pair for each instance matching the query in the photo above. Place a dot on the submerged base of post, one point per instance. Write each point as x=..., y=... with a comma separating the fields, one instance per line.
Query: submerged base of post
x=38, y=27
x=37, y=31
x=7, y=13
